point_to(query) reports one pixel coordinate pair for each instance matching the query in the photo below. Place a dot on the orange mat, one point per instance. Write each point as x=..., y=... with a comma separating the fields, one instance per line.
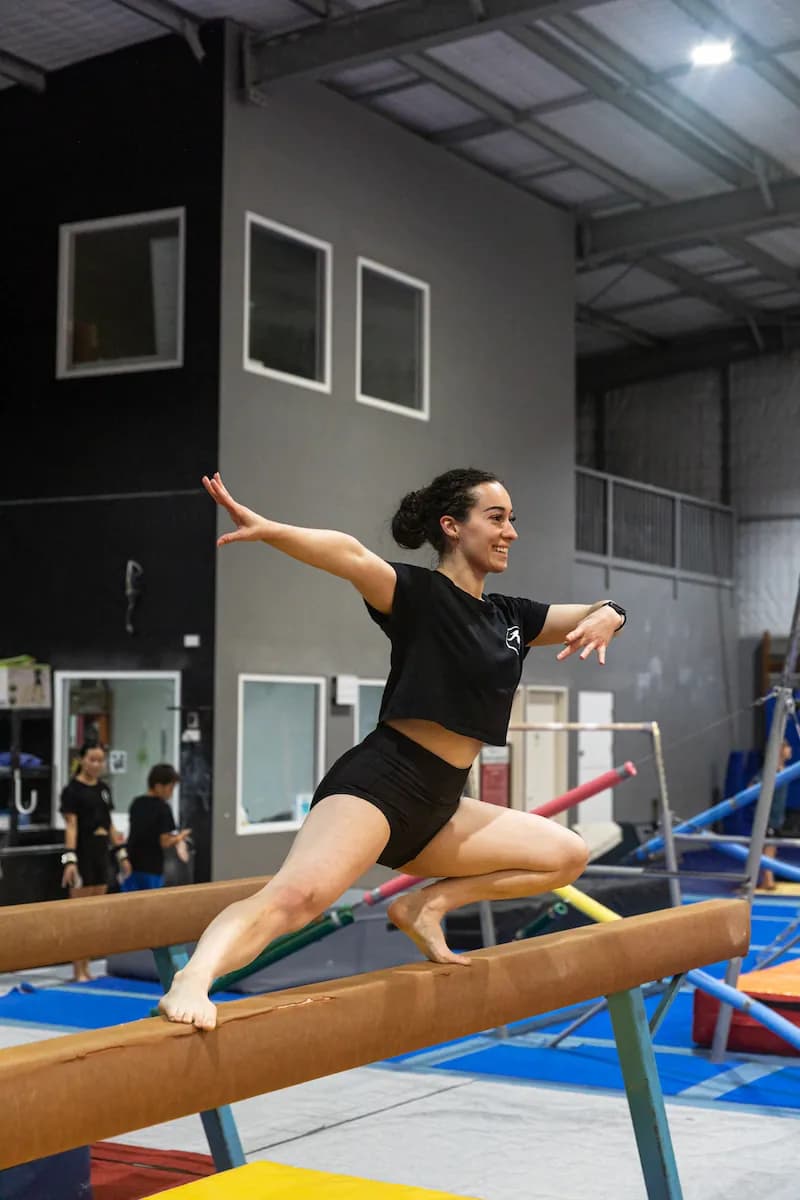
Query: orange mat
x=122, y=1172
x=777, y=987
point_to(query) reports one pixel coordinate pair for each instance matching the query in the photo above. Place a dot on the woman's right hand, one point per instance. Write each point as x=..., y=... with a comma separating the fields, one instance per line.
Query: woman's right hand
x=69, y=877
x=250, y=527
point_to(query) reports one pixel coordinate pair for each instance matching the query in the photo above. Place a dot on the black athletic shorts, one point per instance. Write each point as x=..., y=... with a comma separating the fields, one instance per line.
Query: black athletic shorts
x=94, y=864
x=417, y=791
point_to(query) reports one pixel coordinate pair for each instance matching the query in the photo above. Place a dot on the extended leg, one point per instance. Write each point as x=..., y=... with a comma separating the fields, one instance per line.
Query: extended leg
x=341, y=838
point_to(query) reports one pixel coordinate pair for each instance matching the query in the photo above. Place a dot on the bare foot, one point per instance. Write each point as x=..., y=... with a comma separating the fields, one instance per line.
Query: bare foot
x=83, y=977
x=187, y=1003
x=417, y=919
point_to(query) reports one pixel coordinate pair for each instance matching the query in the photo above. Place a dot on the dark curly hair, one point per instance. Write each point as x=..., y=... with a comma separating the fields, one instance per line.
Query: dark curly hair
x=451, y=494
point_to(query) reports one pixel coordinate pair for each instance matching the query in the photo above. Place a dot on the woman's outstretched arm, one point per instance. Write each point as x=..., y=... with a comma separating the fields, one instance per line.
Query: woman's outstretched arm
x=337, y=553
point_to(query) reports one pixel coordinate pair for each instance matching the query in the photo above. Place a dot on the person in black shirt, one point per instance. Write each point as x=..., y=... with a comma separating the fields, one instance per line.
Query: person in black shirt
x=86, y=807
x=152, y=830
x=456, y=662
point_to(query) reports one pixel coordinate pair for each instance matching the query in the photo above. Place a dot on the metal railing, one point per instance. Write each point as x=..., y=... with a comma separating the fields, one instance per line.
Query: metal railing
x=635, y=522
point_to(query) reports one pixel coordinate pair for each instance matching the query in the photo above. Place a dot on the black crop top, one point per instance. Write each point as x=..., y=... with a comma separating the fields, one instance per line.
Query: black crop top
x=456, y=660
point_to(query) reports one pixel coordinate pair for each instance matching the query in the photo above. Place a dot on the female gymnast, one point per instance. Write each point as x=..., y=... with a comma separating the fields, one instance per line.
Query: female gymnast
x=456, y=662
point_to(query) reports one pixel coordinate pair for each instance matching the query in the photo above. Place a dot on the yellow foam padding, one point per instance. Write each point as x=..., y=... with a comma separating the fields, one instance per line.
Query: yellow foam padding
x=587, y=905
x=274, y=1181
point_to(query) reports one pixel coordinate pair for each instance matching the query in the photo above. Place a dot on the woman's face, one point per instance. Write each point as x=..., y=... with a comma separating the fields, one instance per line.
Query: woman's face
x=487, y=534
x=93, y=763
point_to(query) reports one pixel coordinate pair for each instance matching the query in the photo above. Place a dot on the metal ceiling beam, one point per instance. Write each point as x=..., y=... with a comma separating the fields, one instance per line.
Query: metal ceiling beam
x=172, y=17
x=707, y=126
x=770, y=268
x=642, y=111
x=402, y=27
x=709, y=349
x=667, y=225
x=26, y=73
x=710, y=18
x=462, y=133
x=530, y=128
x=696, y=286
x=609, y=324
x=682, y=110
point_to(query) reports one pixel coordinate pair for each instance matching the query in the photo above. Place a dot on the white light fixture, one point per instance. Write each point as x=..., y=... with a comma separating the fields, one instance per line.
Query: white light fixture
x=712, y=54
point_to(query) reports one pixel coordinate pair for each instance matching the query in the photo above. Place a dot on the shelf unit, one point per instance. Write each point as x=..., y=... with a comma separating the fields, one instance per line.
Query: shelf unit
x=13, y=776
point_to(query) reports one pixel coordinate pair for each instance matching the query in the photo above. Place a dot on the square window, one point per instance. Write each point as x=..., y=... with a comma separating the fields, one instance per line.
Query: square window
x=281, y=749
x=393, y=334
x=120, y=294
x=287, y=304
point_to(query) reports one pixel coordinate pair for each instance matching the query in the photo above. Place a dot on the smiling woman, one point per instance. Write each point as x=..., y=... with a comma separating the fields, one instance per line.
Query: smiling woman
x=396, y=798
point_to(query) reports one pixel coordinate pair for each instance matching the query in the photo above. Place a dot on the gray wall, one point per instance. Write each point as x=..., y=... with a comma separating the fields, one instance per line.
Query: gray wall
x=500, y=268
x=674, y=436
x=675, y=663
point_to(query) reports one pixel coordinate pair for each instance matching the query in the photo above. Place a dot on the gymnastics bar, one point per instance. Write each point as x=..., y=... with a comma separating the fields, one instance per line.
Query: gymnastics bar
x=74, y=1090
x=665, y=816
x=723, y=809
x=57, y=931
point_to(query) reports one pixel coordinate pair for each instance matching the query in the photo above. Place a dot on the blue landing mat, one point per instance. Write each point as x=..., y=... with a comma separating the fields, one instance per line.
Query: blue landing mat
x=90, y=1005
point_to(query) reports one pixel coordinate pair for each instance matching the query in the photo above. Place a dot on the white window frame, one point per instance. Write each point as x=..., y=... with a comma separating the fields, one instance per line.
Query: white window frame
x=243, y=826
x=59, y=677
x=257, y=368
x=66, y=237
x=357, y=705
x=420, y=414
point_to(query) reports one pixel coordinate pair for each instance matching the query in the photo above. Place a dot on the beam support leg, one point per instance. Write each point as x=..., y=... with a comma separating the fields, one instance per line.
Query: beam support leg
x=219, y=1124
x=645, y=1100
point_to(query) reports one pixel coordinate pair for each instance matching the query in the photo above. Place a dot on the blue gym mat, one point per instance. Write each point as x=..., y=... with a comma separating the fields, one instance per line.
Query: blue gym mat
x=94, y=1005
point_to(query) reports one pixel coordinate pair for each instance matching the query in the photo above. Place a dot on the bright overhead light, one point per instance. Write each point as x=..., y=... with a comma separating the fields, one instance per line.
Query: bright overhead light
x=712, y=54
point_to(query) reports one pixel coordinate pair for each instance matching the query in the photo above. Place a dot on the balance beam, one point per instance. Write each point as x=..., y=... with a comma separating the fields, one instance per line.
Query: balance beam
x=74, y=1090
x=54, y=931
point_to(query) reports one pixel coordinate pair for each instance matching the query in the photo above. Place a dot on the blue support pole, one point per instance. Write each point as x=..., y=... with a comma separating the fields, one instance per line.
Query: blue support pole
x=723, y=809
x=781, y=869
x=645, y=1100
x=219, y=1123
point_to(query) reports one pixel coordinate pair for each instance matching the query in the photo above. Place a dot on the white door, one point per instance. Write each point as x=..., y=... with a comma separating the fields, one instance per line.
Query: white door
x=545, y=752
x=595, y=753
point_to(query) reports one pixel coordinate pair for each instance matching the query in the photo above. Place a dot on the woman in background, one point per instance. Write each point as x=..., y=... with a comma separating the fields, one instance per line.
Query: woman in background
x=86, y=806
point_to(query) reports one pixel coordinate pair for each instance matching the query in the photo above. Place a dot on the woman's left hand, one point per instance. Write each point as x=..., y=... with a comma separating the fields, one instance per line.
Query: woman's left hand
x=125, y=868
x=592, y=633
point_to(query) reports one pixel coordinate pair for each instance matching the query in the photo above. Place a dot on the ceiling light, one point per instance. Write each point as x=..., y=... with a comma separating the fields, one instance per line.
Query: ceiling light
x=712, y=54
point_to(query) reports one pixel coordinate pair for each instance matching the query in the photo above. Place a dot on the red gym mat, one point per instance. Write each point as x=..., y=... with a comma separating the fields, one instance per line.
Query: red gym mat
x=122, y=1172
x=777, y=987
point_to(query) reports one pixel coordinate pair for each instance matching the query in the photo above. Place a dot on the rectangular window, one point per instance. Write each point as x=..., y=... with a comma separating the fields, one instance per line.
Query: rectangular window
x=120, y=294
x=392, y=330
x=365, y=711
x=287, y=304
x=281, y=750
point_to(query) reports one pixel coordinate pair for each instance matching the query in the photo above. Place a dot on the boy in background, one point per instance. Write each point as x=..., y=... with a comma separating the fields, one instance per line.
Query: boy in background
x=152, y=830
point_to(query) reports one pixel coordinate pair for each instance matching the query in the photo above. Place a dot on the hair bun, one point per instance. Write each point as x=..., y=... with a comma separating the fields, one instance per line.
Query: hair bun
x=408, y=523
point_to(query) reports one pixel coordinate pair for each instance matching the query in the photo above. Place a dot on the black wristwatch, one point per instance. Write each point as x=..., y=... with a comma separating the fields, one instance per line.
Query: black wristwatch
x=618, y=609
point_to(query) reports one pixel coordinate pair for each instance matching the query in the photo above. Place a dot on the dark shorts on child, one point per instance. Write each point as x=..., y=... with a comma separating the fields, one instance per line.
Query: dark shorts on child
x=417, y=791
x=94, y=862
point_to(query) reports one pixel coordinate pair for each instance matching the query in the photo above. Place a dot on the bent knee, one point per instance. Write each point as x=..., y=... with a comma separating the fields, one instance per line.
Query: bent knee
x=576, y=855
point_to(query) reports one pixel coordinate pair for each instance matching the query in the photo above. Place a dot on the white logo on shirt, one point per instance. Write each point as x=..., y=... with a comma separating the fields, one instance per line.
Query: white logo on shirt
x=513, y=640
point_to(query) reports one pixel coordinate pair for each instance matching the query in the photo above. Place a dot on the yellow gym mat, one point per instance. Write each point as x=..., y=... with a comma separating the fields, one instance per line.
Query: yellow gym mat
x=274, y=1181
